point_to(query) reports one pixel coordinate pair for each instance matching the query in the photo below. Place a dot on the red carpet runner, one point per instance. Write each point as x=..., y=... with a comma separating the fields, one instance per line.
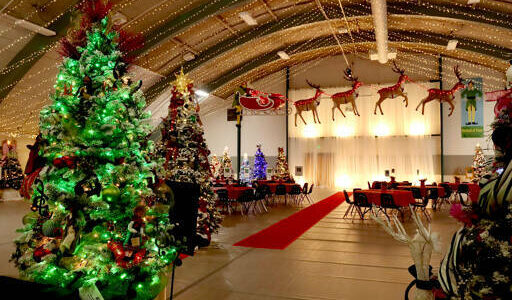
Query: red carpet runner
x=284, y=232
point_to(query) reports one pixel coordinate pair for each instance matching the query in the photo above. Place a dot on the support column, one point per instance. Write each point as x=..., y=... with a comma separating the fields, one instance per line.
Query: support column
x=440, y=76
x=286, y=108
x=238, y=146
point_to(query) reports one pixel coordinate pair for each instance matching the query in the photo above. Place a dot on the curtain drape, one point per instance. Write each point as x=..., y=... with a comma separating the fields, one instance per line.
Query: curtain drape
x=351, y=151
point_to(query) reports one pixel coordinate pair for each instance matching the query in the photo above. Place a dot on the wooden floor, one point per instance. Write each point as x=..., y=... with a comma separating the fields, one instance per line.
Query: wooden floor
x=335, y=259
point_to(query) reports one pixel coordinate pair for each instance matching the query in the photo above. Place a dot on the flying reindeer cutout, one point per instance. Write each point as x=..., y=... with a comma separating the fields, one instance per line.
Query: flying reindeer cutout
x=447, y=96
x=347, y=96
x=393, y=91
x=309, y=104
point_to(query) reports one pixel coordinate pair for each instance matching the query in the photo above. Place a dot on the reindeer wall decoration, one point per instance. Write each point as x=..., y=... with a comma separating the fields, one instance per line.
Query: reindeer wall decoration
x=309, y=104
x=347, y=96
x=447, y=96
x=393, y=91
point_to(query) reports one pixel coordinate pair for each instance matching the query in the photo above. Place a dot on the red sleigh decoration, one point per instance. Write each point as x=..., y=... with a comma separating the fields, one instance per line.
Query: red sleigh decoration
x=503, y=99
x=257, y=100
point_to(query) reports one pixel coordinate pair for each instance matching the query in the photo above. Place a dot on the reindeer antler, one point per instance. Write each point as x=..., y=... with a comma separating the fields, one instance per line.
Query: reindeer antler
x=457, y=73
x=396, y=69
x=312, y=85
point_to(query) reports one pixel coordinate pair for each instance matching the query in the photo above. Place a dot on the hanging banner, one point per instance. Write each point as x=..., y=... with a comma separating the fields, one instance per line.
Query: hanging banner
x=472, y=109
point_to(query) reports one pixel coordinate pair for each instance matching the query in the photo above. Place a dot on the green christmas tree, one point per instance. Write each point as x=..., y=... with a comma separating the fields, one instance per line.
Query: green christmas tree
x=227, y=166
x=91, y=228
x=479, y=166
x=11, y=175
x=186, y=152
x=281, y=169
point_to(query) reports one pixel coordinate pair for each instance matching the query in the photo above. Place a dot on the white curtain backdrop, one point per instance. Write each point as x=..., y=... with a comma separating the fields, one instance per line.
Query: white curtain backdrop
x=351, y=151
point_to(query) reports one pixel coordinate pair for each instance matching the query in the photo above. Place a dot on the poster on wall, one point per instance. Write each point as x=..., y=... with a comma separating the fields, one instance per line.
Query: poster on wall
x=472, y=109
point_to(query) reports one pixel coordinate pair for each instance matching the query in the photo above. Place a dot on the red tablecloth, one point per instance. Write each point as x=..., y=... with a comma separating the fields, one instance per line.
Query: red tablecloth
x=440, y=190
x=474, y=189
x=234, y=192
x=273, y=186
x=401, y=198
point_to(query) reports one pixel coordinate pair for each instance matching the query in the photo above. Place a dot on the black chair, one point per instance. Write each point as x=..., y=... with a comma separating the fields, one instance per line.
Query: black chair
x=387, y=202
x=222, y=194
x=433, y=194
x=260, y=196
x=376, y=185
x=362, y=204
x=218, y=185
x=304, y=193
x=246, y=200
x=463, y=189
x=447, y=194
x=350, y=209
x=295, y=193
x=416, y=193
x=308, y=195
x=422, y=206
x=281, y=191
x=393, y=185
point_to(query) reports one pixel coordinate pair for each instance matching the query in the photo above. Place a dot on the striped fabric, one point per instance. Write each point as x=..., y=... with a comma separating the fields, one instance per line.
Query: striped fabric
x=448, y=274
x=493, y=197
x=497, y=193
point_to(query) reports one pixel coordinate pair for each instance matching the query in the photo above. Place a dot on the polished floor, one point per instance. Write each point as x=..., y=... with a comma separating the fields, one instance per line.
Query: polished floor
x=335, y=259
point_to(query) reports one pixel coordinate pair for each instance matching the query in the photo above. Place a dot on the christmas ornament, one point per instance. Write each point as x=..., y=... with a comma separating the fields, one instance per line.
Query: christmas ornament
x=347, y=96
x=110, y=193
x=256, y=100
x=309, y=104
x=51, y=228
x=393, y=91
x=447, y=96
x=182, y=83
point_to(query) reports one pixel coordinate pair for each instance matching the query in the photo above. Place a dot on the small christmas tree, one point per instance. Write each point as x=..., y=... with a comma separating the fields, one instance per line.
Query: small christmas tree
x=479, y=166
x=245, y=169
x=11, y=175
x=281, y=169
x=215, y=166
x=91, y=228
x=187, y=152
x=260, y=165
x=227, y=167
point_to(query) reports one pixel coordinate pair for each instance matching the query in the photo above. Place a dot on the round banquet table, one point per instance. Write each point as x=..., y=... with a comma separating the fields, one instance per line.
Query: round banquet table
x=474, y=189
x=440, y=190
x=274, y=185
x=401, y=197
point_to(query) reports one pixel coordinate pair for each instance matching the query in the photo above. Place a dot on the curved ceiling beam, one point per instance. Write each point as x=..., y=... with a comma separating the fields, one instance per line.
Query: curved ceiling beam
x=277, y=36
x=225, y=85
x=153, y=39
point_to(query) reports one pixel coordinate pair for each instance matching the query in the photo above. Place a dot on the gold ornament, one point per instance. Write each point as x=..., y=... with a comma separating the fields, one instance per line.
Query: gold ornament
x=181, y=82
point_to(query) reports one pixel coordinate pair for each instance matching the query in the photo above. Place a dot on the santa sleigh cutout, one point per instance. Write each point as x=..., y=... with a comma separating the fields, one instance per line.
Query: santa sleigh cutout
x=257, y=100
x=503, y=99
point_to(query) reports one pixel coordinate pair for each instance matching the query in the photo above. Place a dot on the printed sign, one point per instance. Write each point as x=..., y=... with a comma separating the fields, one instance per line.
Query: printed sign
x=472, y=109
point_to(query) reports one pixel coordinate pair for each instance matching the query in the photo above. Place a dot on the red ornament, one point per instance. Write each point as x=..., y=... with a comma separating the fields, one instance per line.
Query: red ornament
x=65, y=161
x=120, y=254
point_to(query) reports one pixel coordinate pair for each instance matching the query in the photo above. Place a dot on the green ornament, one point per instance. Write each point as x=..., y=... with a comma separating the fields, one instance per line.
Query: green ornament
x=50, y=228
x=193, y=118
x=29, y=218
x=110, y=193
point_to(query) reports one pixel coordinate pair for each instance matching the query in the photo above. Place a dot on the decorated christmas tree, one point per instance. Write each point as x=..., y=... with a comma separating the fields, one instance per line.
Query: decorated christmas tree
x=215, y=166
x=260, y=165
x=11, y=175
x=479, y=168
x=227, y=167
x=187, y=152
x=245, y=170
x=90, y=228
x=281, y=169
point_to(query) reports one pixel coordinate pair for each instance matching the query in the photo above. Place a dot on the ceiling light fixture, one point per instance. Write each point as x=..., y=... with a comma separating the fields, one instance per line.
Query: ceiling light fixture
x=473, y=2
x=188, y=56
x=392, y=53
x=283, y=55
x=202, y=93
x=452, y=44
x=248, y=19
x=119, y=19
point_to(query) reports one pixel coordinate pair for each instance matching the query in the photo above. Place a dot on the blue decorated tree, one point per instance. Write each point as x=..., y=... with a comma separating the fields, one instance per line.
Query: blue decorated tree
x=260, y=164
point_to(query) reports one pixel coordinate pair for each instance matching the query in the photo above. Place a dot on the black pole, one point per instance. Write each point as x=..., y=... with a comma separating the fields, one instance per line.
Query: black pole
x=287, y=107
x=238, y=145
x=440, y=75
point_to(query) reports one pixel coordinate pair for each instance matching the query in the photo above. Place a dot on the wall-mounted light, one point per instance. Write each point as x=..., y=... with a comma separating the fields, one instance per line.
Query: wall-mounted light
x=283, y=55
x=310, y=131
x=248, y=19
x=345, y=130
x=343, y=181
x=417, y=128
x=202, y=93
x=188, y=56
x=382, y=129
x=452, y=44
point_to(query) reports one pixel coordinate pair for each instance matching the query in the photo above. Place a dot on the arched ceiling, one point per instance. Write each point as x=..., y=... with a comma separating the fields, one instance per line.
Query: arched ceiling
x=227, y=50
